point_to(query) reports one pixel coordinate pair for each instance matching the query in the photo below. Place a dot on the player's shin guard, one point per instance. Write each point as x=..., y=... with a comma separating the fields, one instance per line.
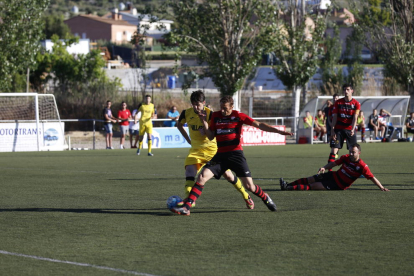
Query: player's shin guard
x=239, y=187
x=149, y=145
x=259, y=192
x=189, y=183
x=140, y=145
x=194, y=194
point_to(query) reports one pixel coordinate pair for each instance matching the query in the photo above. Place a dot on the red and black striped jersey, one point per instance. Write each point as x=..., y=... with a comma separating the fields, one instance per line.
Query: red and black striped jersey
x=345, y=112
x=350, y=171
x=228, y=129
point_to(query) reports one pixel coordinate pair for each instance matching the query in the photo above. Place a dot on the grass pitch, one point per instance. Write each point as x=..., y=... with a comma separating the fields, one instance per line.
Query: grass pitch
x=104, y=213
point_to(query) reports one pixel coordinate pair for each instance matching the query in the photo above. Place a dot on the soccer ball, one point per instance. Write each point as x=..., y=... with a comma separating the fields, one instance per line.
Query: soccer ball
x=172, y=201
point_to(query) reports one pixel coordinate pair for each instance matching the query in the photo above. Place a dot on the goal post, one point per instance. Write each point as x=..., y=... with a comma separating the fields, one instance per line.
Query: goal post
x=30, y=122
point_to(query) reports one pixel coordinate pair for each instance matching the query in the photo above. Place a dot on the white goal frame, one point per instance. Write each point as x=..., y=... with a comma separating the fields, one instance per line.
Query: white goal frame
x=40, y=125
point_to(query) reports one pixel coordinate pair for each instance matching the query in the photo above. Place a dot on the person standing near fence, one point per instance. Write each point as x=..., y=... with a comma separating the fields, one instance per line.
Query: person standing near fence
x=134, y=128
x=147, y=110
x=344, y=119
x=124, y=115
x=108, y=120
x=328, y=114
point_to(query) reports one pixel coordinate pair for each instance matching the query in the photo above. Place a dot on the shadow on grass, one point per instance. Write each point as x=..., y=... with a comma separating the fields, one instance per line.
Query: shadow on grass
x=154, y=212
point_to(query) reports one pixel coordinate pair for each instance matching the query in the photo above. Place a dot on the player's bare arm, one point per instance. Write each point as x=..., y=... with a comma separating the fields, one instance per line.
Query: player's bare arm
x=334, y=119
x=136, y=119
x=376, y=182
x=268, y=128
x=184, y=133
x=328, y=166
x=354, y=121
x=203, y=117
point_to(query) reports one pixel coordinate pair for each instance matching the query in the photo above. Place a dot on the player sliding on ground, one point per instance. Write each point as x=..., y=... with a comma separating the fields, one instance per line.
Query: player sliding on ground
x=352, y=168
x=202, y=148
x=226, y=126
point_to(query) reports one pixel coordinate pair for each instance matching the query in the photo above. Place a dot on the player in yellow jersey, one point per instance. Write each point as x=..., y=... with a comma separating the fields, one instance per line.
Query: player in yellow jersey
x=145, y=123
x=202, y=149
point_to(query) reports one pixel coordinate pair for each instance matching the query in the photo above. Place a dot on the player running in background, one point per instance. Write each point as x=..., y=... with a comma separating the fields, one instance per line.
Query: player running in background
x=145, y=123
x=329, y=114
x=226, y=126
x=344, y=118
x=352, y=167
x=202, y=148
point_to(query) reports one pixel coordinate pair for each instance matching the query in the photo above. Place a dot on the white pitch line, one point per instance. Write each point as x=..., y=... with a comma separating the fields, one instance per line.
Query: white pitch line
x=75, y=263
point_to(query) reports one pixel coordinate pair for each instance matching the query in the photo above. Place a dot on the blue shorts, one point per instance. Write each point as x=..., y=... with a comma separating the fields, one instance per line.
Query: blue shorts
x=108, y=127
x=133, y=131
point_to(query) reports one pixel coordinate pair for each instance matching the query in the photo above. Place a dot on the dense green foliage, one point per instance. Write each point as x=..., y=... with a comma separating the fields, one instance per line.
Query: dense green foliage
x=20, y=32
x=391, y=36
x=79, y=81
x=80, y=207
x=297, y=43
x=332, y=75
x=230, y=36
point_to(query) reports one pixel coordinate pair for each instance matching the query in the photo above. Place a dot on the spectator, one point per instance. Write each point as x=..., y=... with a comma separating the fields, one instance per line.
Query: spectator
x=386, y=126
x=374, y=123
x=308, y=120
x=320, y=127
x=108, y=120
x=361, y=125
x=123, y=115
x=409, y=124
x=134, y=127
x=173, y=115
x=335, y=97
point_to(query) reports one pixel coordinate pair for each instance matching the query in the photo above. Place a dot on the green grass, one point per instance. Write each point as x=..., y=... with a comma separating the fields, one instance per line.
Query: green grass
x=107, y=208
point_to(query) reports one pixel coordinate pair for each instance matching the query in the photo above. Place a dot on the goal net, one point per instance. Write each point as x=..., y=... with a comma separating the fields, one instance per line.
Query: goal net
x=30, y=122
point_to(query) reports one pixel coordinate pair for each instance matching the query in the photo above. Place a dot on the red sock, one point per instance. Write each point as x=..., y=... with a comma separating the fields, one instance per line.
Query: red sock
x=259, y=192
x=194, y=194
x=299, y=187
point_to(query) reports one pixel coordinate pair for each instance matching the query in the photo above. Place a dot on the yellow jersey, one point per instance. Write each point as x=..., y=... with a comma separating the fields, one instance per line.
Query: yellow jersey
x=199, y=139
x=147, y=111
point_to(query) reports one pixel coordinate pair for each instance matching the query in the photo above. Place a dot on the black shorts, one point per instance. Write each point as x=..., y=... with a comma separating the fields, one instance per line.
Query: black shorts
x=341, y=136
x=327, y=180
x=232, y=160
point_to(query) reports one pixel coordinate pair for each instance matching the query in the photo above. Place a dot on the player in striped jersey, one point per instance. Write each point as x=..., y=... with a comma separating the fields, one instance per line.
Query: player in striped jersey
x=202, y=148
x=344, y=119
x=352, y=167
x=226, y=126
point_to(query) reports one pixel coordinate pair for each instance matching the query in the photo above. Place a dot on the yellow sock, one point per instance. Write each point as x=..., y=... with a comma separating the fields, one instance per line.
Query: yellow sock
x=239, y=187
x=140, y=145
x=189, y=183
x=149, y=145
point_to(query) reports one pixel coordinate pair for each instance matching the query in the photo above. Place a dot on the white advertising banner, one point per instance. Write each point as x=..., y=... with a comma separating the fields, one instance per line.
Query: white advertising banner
x=254, y=137
x=23, y=136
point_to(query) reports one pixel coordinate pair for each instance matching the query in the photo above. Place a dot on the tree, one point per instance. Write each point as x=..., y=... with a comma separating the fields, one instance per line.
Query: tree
x=393, y=42
x=297, y=44
x=230, y=36
x=332, y=76
x=354, y=44
x=54, y=25
x=79, y=80
x=20, y=32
